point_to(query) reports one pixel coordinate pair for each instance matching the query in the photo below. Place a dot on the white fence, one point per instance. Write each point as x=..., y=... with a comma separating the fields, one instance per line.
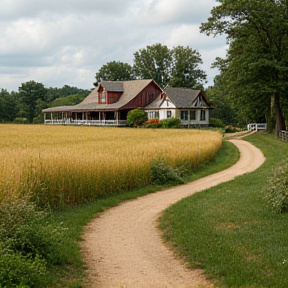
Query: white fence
x=283, y=135
x=86, y=122
x=257, y=126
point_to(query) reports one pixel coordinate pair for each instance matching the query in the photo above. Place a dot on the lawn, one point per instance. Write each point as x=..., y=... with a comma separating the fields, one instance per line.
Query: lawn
x=230, y=231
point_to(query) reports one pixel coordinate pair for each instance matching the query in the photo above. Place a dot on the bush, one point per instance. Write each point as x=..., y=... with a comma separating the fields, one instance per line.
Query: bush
x=162, y=174
x=171, y=123
x=136, y=117
x=17, y=270
x=214, y=122
x=276, y=190
x=28, y=244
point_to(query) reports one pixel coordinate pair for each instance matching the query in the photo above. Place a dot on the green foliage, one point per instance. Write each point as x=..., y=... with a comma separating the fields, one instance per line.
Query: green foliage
x=29, y=93
x=255, y=70
x=276, y=189
x=213, y=122
x=163, y=174
x=67, y=100
x=186, y=71
x=17, y=270
x=136, y=117
x=177, y=67
x=170, y=123
x=8, y=106
x=115, y=71
x=29, y=245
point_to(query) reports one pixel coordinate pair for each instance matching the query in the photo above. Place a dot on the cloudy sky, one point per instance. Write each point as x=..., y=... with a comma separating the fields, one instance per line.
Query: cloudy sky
x=65, y=42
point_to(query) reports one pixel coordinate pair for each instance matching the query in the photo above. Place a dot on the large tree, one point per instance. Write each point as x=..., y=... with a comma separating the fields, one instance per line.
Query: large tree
x=177, y=67
x=186, y=71
x=31, y=94
x=115, y=71
x=8, y=106
x=154, y=62
x=256, y=69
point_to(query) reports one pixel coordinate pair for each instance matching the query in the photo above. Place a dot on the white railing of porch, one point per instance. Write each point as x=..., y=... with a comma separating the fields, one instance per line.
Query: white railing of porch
x=85, y=122
x=256, y=126
x=283, y=135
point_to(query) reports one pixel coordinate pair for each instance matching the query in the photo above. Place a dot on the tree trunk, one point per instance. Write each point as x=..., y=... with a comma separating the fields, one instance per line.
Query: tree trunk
x=280, y=122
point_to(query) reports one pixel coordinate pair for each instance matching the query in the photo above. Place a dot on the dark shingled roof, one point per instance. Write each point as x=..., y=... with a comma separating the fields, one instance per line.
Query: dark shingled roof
x=181, y=97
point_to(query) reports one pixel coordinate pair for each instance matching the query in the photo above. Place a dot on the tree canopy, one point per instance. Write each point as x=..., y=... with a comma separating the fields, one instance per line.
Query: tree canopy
x=255, y=69
x=115, y=71
x=176, y=67
x=30, y=93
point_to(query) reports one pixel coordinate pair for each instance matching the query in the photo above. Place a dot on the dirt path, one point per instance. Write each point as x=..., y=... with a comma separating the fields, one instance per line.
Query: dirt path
x=123, y=247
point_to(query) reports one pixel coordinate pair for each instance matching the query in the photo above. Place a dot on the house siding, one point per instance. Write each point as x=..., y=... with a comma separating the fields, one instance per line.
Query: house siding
x=144, y=98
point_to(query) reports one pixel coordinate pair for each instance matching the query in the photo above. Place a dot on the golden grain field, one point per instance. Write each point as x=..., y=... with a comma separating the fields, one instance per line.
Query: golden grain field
x=63, y=165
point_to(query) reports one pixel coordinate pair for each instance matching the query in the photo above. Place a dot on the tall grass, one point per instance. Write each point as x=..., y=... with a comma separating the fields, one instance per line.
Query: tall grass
x=61, y=166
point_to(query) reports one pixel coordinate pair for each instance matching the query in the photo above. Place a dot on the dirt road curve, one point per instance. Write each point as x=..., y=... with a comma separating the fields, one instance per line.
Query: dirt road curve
x=123, y=247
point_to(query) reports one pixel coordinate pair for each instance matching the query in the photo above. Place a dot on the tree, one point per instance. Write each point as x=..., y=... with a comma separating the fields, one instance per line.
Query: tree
x=185, y=68
x=68, y=100
x=30, y=93
x=177, y=67
x=256, y=70
x=8, y=106
x=115, y=71
x=154, y=62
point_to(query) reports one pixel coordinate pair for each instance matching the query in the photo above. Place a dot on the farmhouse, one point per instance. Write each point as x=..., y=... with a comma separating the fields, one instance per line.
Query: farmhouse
x=190, y=106
x=109, y=103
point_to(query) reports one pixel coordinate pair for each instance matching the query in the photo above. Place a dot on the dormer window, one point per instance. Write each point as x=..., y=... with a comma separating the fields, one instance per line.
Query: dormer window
x=102, y=97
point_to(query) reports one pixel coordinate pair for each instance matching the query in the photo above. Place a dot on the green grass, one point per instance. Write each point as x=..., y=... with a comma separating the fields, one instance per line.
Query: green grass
x=230, y=231
x=74, y=219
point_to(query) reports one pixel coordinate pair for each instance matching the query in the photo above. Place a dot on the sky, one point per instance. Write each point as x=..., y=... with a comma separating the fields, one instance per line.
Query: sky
x=65, y=42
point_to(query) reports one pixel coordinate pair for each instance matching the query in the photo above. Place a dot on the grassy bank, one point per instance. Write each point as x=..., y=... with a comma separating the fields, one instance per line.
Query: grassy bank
x=230, y=231
x=74, y=219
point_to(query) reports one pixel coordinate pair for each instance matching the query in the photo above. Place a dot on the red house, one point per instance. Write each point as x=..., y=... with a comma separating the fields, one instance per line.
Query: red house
x=107, y=105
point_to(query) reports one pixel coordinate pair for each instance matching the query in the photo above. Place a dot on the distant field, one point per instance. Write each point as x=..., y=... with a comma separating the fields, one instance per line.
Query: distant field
x=71, y=165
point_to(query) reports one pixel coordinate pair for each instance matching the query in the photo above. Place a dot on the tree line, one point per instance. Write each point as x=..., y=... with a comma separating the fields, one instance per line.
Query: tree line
x=25, y=106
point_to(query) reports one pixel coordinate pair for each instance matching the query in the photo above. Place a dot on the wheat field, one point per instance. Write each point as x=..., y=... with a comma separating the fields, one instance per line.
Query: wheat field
x=61, y=165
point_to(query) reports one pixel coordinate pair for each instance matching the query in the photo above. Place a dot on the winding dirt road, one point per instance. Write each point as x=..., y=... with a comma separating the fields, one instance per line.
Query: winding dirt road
x=123, y=246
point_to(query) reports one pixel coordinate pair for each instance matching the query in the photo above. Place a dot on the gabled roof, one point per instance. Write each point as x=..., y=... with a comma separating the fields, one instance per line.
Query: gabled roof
x=130, y=90
x=180, y=97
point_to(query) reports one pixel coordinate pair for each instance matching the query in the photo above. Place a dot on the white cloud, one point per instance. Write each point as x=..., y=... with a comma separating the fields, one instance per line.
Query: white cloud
x=65, y=42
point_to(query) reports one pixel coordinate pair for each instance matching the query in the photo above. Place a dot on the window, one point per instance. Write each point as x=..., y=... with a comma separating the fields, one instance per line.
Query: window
x=184, y=115
x=192, y=115
x=203, y=115
x=103, y=97
x=169, y=114
x=153, y=114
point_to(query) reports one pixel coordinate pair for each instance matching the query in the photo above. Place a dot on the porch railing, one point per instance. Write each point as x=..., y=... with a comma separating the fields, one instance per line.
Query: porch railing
x=257, y=126
x=85, y=122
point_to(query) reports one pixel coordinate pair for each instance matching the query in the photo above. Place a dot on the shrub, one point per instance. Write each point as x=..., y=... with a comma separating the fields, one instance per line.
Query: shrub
x=171, y=123
x=136, y=117
x=17, y=270
x=153, y=123
x=161, y=173
x=276, y=190
x=28, y=244
x=214, y=122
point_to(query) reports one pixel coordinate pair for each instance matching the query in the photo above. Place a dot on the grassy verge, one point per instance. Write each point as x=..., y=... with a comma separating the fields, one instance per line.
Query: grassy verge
x=74, y=219
x=230, y=231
